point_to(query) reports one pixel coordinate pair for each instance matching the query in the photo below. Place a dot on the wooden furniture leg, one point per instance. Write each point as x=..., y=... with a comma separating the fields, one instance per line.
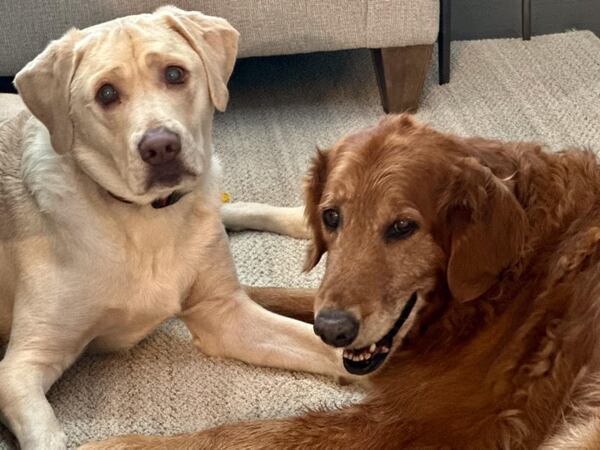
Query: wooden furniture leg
x=526, y=19
x=400, y=75
x=444, y=38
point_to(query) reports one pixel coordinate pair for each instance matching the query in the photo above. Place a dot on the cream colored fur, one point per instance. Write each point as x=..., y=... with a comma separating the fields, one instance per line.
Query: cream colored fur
x=288, y=221
x=80, y=269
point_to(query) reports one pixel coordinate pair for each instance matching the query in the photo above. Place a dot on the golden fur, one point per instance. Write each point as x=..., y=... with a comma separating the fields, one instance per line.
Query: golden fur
x=503, y=351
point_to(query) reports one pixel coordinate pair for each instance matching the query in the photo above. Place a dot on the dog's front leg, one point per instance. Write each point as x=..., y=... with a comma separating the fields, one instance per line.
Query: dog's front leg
x=225, y=322
x=45, y=339
x=236, y=327
x=25, y=376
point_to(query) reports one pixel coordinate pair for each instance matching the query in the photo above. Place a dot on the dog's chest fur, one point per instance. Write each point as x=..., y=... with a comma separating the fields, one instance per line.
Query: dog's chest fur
x=144, y=274
x=121, y=268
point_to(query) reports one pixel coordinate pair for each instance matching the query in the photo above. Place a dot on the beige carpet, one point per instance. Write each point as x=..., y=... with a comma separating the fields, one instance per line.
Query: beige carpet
x=546, y=90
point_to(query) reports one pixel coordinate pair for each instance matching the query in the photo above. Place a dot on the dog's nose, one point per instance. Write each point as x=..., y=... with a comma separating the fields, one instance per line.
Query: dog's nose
x=159, y=146
x=336, y=327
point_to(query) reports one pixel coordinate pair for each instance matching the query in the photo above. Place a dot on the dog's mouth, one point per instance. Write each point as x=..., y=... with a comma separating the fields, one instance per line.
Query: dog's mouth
x=168, y=175
x=367, y=359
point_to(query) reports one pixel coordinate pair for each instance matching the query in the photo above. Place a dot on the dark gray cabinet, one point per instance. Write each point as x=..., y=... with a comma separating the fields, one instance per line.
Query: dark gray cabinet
x=477, y=19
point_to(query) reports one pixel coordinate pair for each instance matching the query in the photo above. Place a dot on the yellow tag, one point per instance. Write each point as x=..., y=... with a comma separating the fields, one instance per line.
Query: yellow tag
x=225, y=197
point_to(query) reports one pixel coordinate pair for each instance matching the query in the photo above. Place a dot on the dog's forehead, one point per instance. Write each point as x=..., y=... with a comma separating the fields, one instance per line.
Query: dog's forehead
x=357, y=180
x=374, y=165
x=128, y=42
x=384, y=177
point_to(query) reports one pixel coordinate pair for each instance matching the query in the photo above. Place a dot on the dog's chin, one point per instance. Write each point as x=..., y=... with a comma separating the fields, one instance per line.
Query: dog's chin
x=169, y=175
x=159, y=184
x=144, y=187
x=366, y=360
x=160, y=188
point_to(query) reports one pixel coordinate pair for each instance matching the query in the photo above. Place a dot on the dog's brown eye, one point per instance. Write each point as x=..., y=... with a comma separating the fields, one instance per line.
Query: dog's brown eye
x=401, y=229
x=107, y=94
x=174, y=75
x=331, y=218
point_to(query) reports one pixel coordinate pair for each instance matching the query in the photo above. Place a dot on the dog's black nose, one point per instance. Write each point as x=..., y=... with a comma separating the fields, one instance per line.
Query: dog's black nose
x=159, y=146
x=336, y=327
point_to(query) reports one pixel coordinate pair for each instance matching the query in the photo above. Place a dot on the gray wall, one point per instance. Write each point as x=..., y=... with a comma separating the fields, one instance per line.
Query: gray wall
x=479, y=19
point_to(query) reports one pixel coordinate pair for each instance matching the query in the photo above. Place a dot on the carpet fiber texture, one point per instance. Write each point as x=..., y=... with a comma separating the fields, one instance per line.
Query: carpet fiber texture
x=544, y=90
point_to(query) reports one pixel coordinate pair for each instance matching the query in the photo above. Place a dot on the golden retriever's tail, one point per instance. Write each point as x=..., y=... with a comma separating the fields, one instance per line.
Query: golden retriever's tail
x=295, y=303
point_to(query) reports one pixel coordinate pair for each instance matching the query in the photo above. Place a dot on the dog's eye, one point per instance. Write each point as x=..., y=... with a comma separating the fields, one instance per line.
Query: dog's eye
x=331, y=218
x=107, y=94
x=401, y=229
x=174, y=75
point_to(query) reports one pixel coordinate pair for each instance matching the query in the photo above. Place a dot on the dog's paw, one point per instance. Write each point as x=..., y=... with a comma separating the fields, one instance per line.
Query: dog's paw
x=235, y=215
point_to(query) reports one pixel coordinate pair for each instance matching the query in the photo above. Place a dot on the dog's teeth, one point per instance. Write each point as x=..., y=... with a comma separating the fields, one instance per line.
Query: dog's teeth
x=384, y=349
x=372, y=348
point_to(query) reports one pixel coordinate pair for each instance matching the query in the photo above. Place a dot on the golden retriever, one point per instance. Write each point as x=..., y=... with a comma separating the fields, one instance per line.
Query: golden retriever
x=109, y=212
x=463, y=277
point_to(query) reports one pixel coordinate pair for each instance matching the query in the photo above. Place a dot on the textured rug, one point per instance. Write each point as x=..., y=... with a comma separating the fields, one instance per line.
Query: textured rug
x=545, y=90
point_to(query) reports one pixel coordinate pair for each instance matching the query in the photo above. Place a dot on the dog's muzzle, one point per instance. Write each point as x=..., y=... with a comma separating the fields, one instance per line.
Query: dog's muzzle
x=367, y=359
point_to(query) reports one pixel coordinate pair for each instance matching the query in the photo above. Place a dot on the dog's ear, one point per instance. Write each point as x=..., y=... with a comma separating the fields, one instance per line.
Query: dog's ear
x=215, y=41
x=485, y=228
x=313, y=190
x=45, y=87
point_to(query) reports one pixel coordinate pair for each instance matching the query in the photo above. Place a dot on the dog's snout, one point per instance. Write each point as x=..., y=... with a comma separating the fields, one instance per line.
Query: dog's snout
x=336, y=327
x=159, y=146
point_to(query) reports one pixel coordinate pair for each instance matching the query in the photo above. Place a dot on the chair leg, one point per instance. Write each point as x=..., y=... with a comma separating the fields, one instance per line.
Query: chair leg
x=526, y=19
x=400, y=75
x=444, y=39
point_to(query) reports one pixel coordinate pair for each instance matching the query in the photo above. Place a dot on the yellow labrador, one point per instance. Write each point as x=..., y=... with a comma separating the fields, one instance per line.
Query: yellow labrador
x=110, y=216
